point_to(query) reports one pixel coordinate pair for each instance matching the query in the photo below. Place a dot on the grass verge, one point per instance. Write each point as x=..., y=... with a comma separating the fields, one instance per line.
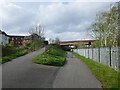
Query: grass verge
x=106, y=75
x=13, y=56
x=55, y=57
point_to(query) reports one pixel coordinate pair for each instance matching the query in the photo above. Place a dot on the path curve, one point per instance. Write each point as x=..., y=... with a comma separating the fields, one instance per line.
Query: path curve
x=22, y=73
x=75, y=74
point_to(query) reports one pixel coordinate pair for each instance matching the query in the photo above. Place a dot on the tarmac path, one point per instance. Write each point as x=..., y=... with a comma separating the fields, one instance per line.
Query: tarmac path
x=75, y=74
x=23, y=73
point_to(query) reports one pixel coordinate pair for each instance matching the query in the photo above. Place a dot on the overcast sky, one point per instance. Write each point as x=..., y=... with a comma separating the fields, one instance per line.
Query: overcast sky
x=68, y=20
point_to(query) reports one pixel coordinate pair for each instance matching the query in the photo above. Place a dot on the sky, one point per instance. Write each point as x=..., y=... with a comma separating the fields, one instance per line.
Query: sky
x=65, y=20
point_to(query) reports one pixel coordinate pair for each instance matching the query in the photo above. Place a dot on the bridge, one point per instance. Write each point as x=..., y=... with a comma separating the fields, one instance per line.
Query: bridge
x=72, y=44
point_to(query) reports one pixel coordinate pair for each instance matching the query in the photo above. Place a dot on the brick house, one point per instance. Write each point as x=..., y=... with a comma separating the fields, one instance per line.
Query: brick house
x=17, y=40
x=21, y=40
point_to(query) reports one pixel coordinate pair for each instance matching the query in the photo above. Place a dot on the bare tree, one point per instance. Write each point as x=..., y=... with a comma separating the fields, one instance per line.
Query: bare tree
x=57, y=40
x=51, y=41
x=39, y=30
x=37, y=35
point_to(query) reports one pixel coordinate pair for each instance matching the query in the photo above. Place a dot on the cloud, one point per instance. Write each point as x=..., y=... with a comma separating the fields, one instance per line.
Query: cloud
x=16, y=19
x=68, y=21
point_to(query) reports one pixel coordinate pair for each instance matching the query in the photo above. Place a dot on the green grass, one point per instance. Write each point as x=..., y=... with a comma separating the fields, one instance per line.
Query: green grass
x=56, y=52
x=13, y=56
x=106, y=75
x=54, y=57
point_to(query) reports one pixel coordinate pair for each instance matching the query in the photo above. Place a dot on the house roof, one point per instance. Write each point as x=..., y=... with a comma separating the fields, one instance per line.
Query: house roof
x=2, y=32
x=15, y=36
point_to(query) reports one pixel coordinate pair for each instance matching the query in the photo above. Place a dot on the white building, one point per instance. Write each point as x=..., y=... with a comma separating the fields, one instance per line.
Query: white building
x=4, y=38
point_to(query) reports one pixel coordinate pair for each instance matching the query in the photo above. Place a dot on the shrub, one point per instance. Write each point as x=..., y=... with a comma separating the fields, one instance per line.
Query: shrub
x=56, y=52
x=55, y=56
x=13, y=56
x=56, y=61
x=41, y=59
x=8, y=50
x=50, y=60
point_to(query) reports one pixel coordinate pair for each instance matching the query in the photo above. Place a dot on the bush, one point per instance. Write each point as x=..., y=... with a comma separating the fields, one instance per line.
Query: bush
x=56, y=61
x=9, y=50
x=55, y=56
x=50, y=60
x=56, y=52
x=13, y=56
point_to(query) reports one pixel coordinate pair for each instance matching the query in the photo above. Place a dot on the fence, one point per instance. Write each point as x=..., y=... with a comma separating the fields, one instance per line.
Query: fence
x=108, y=56
x=0, y=51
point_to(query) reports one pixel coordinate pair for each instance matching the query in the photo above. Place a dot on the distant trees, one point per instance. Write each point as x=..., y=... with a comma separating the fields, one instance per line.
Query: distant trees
x=37, y=36
x=38, y=29
x=105, y=28
x=51, y=41
x=54, y=41
x=57, y=40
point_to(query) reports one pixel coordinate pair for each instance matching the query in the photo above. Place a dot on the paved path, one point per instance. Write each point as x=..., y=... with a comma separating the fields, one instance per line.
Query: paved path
x=75, y=74
x=22, y=73
x=0, y=76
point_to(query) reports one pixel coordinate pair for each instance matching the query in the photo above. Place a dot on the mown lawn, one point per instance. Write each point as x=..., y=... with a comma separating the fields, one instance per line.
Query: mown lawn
x=106, y=75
